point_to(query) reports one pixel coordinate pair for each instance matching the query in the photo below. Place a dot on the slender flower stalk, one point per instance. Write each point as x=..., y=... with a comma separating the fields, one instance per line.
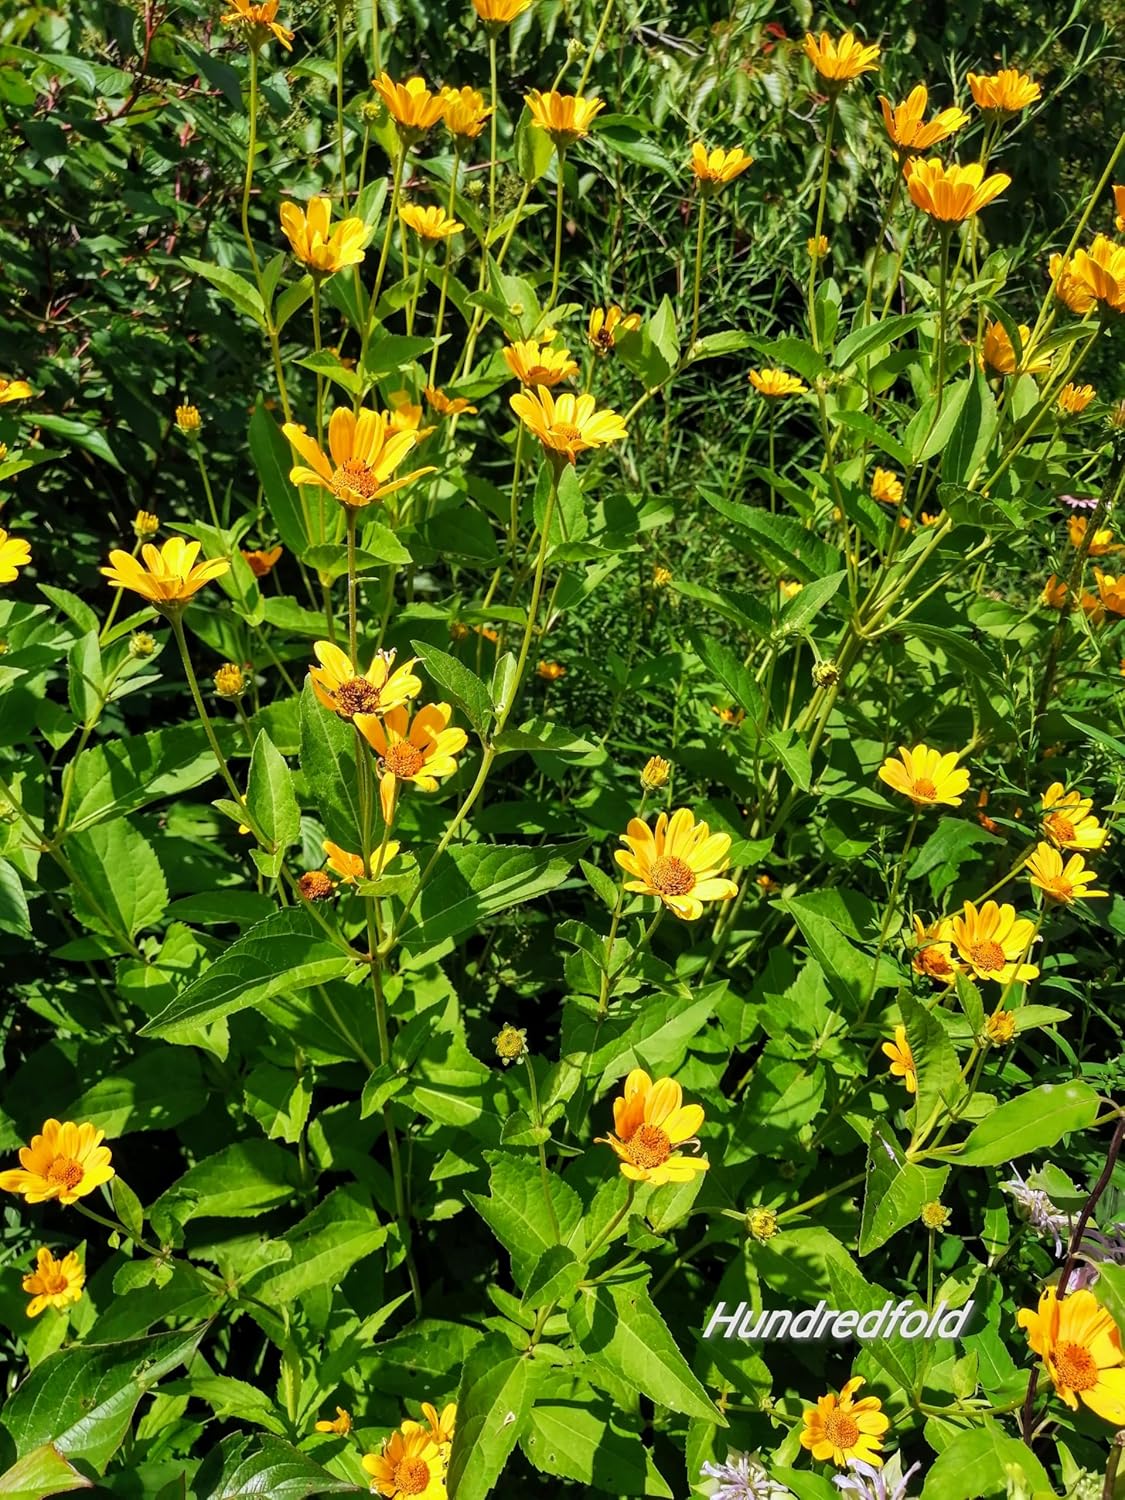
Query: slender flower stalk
x=175, y=619
x=814, y=260
x=446, y=270
x=700, y=231
x=560, y=167
x=343, y=163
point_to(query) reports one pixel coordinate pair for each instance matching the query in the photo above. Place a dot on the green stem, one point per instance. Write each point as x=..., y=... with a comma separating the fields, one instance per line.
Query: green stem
x=392, y=215
x=814, y=260
x=596, y=47
x=350, y=519
x=340, y=6
x=698, y=282
x=444, y=294
x=175, y=619
x=544, y=1175
x=560, y=165
x=317, y=348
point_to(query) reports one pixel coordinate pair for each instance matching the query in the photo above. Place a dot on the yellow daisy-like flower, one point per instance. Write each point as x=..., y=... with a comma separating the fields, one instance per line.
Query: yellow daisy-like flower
x=649, y=1121
x=15, y=554
x=441, y=1425
x=902, y=1060
x=565, y=117
x=951, y=194
x=840, y=1428
x=533, y=362
x=887, y=487
x=1111, y=592
x=1062, y=884
x=933, y=952
x=1080, y=1346
x=349, y=867
x=926, y=776
x=409, y=1467
x=1101, y=542
x=1074, y=399
x=341, y=1425
x=776, y=383
x=259, y=22
x=14, y=390
x=1072, y=292
x=1003, y=93
x=993, y=942
x=423, y=750
x=447, y=406
x=431, y=223
x=1101, y=272
x=323, y=250
x=906, y=125
x=383, y=686
x=551, y=671
x=1054, y=593
x=404, y=416
x=567, y=425
x=410, y=105
x=169, y=575
x=997, y=353
x=66, y=1161
x=262, y=563
x=840, y=59
x=500, y=12
x=607, y=325
x=362, y=457
x=54, y=1283
x=715, y=168
x=1119, y=205
x=464, y=112
x=680, y=861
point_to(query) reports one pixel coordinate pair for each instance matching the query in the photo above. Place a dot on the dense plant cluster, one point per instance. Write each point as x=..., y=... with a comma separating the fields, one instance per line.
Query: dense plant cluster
x=560, y=751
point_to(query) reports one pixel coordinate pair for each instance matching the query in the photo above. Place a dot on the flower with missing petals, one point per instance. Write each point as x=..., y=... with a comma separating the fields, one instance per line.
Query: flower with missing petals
x=1061, y=883
x=1080, y=1346
x=1003, y=93
x=363, y=454
x=715, y=168
x=902, y=1060
x=346, y=692
x=906, y=125
x=841, y=1428
x=650, y=1123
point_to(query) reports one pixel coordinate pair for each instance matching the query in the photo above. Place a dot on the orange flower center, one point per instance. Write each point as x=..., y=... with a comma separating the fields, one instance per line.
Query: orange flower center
x=567, y=432
x=1061, y=827
x=648, y=1146
x=356, y=696
x=934, y=962
x=926, y=789
x=53, y=1282
x=603, y=339
x=987, y=955
x=64, y=1172
x=1076, y=1366
x=411, y=1476
x=354, y=477
x=671, y=876
x=841, y=1430
x=404, y=759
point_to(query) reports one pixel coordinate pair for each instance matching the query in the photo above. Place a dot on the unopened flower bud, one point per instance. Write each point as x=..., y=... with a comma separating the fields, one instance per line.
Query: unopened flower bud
x=188, y=419
x=474, y=190
x=1117, y=414
x=935, y=1215
x=511, y=1044
x=655, y=773
x=1001, y=1028
x=230, y=681
x=575, y=49
x=3, y=452
x=145, y=524
x=761, y=1224
x=817, y=248
x=141, y=645
x=372, y=112
x=661, y=577
x=826, y=674
x=315, y=885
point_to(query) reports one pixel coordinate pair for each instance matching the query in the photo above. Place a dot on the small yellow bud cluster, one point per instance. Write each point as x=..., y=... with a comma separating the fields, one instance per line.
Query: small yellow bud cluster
x=230, y=680
x=935, y=1215
x=1001, y=1028
x=141, y=645
x=145, y=524
x=826, y=674
x=655, y=773
x=511, y=1044
x=188, y=420
x=761, y=1224
x=661, y=577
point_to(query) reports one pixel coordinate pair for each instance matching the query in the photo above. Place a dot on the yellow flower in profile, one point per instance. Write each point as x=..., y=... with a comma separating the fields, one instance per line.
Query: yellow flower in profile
x=341, y=1426
x=362, y=457
x=789, y=587
x=259, y=22
x=933, y=951
x=655, y=773
x=1062, y=884
x=1003, y=93
x=1111, y=592
x=66, y=1161
x=840, y=59
x=565, y=117
x=1119, y=204
x=145, y=524
x=887, y=487
x=715, y=168
x=431, y=223
x=54, y=1283
x=951, y=194
x=679, y=861
x=817, y=248
x=500, y=12
x=447, y=406
x=408, y=1467
x=349, y=867
x=441, y=1425
x=843, y=1428
x=404, y=416
x=926, y=776
x=1074, y=399
x=533, y=362
x=1054, y=593
x=1101, y=542
x=650, y=1120
x=997, y=352
x=464, y=112
x=15, y=554
x=906, y=125
x=423, y=750
x=568, y=425
x=1072, y=292
x=902, y=1060
x=1101, y=271
x=608, y=325
x=410, y=105
x=322, y=250
x=188, y=421
x=14, y=390
x=993, y=942
x=383, y=686
x=262, y=563
x=775, y=383
x=1080, y=1346
x=551, y=671
x=169, y=575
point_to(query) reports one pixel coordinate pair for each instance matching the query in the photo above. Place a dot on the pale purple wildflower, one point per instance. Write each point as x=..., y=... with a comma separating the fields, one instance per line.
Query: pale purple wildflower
x=742, y=1477
x=869, y=1483
x=1039, y=1211
x=1079, y=502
